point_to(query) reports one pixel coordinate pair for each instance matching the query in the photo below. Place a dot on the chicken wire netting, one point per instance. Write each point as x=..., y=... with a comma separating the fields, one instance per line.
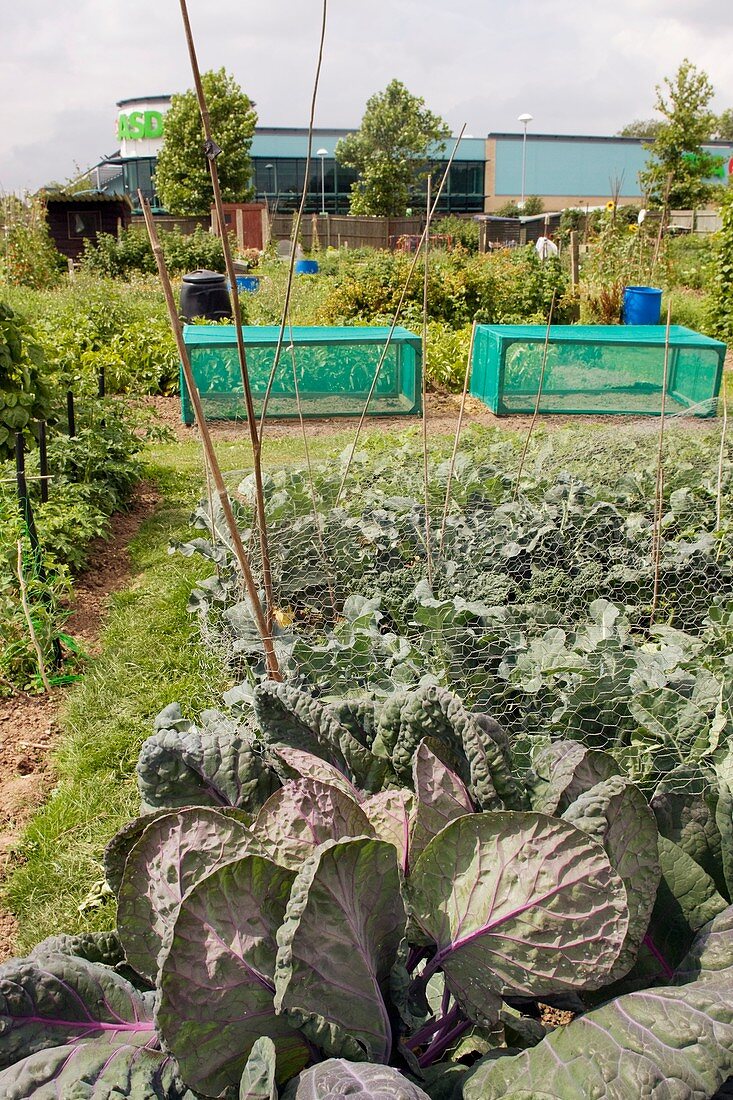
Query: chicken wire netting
x=582, y=590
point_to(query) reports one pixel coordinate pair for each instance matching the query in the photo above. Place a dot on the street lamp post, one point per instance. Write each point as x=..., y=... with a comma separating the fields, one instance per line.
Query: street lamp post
x=524, y=119
x=270, y=169
x=323, y=153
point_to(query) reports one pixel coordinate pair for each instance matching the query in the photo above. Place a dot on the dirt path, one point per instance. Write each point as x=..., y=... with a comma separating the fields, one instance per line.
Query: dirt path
x=442, y=414
x=29, y=723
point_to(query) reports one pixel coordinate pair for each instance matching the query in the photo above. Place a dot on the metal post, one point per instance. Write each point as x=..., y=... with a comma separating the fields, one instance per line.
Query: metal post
x=70, y=414
x=43, y=457
x=26, y=512
x=524, y=119
x=323, y=153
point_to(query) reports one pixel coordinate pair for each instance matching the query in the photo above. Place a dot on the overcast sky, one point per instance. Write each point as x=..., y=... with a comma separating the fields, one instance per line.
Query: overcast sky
x=578, y=68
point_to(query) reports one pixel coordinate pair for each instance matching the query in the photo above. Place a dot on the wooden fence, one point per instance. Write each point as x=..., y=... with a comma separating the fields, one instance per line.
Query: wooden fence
x=185, y=225
x=696, y=221
x=345, y=231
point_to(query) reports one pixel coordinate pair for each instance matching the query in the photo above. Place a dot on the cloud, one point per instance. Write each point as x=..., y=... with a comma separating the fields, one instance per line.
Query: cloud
x=578, y=68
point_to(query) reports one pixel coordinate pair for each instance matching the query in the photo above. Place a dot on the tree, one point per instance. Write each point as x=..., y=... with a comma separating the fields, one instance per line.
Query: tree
x=679, y=168
x=724, y=125
x=182, y=177
x=533, y=205
x=390, y=150
x=641, y=128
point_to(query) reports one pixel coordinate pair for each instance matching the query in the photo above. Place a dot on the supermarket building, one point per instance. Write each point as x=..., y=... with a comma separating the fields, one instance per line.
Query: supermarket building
x=563, y=170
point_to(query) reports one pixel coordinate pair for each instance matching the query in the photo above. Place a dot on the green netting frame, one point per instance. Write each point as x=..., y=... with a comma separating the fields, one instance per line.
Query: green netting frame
x=335, y=369
x=596, y=369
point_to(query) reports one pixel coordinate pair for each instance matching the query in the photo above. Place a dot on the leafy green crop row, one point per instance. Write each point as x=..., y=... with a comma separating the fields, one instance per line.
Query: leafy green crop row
x=92, y=476
x=540, y=603
x=93, y=325
x=130, y=254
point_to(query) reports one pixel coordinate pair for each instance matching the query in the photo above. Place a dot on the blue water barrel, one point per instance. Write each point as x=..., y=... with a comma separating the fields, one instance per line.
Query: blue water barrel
x=642, y=305
x=248, y=283
x=306, y=267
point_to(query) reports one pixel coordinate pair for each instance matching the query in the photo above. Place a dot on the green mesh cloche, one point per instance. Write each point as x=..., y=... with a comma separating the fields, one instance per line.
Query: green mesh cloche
x=334, y=367
x=596, y=369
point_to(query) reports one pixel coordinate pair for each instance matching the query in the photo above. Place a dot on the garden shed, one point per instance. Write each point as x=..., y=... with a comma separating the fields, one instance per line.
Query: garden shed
x=75, y=218
x=495, y=231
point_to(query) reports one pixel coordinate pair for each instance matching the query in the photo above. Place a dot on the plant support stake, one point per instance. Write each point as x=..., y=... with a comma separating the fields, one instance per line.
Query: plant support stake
x=285, y=316
x=540, y=384
x=43, y=460
x=212, y=151
x=273, y=669
x=26, y=511
x=424, y=387
x=29, y=620
x=659, y=491
x=451, y=468
x=393, y=326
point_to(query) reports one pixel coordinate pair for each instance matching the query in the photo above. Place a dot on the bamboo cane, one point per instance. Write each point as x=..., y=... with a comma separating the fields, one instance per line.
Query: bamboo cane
x=317, y=517
x=285, y=316
x=393, y=326
x=541, y=383
x=212, y=151
x=29, y=621
x=426, y=487
x=273, y=669
x=721, y=458
x=659, y=490
x=457, y=437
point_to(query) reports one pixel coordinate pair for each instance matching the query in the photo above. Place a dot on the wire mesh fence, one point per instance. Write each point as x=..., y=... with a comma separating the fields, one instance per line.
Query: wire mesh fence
x=587, y=598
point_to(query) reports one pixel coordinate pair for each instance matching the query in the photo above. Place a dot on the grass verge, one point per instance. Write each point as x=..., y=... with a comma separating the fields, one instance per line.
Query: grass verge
x=151, y=656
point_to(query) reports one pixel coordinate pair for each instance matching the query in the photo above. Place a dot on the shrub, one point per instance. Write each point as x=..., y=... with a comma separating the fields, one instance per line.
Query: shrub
x=690, y=308
x=25, y=393
x=504, y=287
x=464, y=231
x=533, y=204
x=29, y=256
x=622, y=254
x=446, y=356
x=721, y=319
x=130, y=253
x=690, y=261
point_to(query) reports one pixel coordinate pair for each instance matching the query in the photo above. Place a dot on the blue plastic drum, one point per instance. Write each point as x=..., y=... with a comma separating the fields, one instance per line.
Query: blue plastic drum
x=642, y=305
x=248, y=283
x=306, y=267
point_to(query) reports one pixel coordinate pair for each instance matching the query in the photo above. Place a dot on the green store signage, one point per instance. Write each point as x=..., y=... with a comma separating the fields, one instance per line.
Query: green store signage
x=140, y=124
x=720, y=169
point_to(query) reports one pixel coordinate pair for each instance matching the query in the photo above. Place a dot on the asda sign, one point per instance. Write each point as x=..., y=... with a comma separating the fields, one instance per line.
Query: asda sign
x=140, y=124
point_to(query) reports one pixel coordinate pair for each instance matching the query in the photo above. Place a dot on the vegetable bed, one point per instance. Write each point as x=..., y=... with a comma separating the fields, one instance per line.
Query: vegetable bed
x=495, y=786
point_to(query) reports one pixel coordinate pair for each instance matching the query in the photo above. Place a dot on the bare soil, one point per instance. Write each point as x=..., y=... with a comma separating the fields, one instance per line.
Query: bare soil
x=442, y=410
x=29, y=723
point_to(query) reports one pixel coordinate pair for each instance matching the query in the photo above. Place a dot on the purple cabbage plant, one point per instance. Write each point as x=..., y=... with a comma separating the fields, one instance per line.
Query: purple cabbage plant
x=373, y=900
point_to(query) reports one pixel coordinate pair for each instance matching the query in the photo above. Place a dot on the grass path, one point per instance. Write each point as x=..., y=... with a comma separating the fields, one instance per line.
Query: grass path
x=150, y=657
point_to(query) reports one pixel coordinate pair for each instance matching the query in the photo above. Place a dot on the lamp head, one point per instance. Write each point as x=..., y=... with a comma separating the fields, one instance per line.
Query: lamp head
x=524, y=119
